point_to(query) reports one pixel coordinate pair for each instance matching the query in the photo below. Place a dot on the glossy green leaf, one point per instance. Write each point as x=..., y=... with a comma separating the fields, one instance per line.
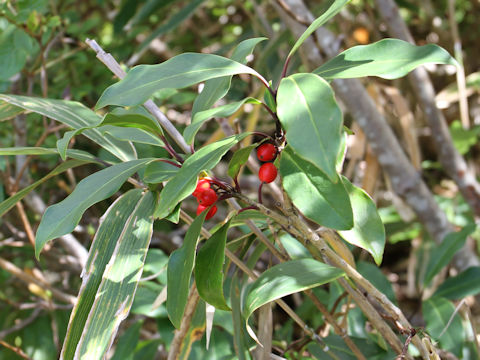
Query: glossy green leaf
x=178, y=72
x=179, y=272
x=76, y=116
x=184, y=182
x=437, y=313
x=136, y=116
x=387, y=58
x=209, y=269
x=7, y=204
x=159, y=171
x=132, y=134
x=239, y=158
x=100, y=253
x=313, y=126
x=62, y=144
x=310, y=190
x=215, y=89
x=61, y=218
x=119, y=282
x=464, y=284
x=8, y=111
x=285, y=279
x=221, y=111
x=368, y=231
x=333, y=10
x=441, y=255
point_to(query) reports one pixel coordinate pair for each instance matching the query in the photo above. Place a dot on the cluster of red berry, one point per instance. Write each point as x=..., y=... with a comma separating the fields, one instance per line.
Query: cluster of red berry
x=206, y=197
x=266, y=153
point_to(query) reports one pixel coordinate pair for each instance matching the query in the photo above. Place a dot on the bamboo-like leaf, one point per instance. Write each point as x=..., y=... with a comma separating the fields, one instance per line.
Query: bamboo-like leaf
x=209, y=269
x=159, y=171
x=333, y=10
x=35, y=150
x=61, y=218
x=285, y=279
x=238, y=159
x=318, y=198
x=221, y=111
x=8, y=111
x=7, y=204
x=101, y=250
x=313, y=126
x=76, y=116
x=132, y=134
x=119, y=282
x=184, y=182
x=368, y=231
x=464, y=284
x=179, y=272
x=443, y=254
x=387, y=58
x=178, y=72
x=136, y=116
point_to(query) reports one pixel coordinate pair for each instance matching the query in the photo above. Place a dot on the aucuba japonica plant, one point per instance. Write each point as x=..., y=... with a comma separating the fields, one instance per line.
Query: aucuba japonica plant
x=303, y=154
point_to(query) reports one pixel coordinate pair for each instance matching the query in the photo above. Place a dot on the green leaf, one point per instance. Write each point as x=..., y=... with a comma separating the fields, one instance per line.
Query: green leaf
x=387, y=58
x=178, y=72
x=76, y=116
x=184, y=182
x=368, y=231
x=119, y=282
x=438, y=312
x=137, y=117
x=132, y=134
x=100, y=253
x=209, y=268
x=215, y=89
x=441, y=255
x=318, y=198
x=27, y=151
x=62, y=144
x=12, y=200
x=61, y=218
x=333, y=10
x=8, y=111
x=464, y=284
x=179, y=272
x=159, y=171
x=313, y=126
x=285, y=279
x=239, y=158
x=373, y=274
x=221, y=111
x=127, y=343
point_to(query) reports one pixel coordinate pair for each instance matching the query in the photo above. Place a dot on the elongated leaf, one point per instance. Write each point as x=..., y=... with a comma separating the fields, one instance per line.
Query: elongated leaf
x=443, y=254
x=373, y=274
x=368, y=231
x=285, y=279
x=464, y=284
x=333, y=10
x=238, y=159
x=101, y=250
x=119, y=282
x=131, y=134
x=76, y=116
x=27, y=151
x=215, y=89
x=8, y=111
x=178, y=72
x=310, y=190
x=313, y=126
x=179, y=272
x=61, y=218
x=127, y=343
x=387, y=58
x=7, y=204
x=437, y=312
x=159, y=171
x=136, y=116
x=209, y=269
x=184, y=182
x=221, y=111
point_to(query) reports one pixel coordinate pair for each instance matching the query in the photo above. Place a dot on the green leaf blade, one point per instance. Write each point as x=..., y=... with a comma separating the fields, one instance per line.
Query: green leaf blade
x=464, y=284
x=313, y=126
x=61, y=218
x=318, y=198
x=387, y=58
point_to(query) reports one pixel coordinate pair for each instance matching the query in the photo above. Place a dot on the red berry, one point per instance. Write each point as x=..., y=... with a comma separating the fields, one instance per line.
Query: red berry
x=201, y=186
x=266, y=152
x=267, y=173
x=207, y=197
x=210, y=213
